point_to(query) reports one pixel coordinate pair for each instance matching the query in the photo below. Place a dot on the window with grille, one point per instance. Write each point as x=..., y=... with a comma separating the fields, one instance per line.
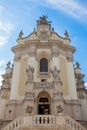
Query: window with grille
x=43, y=65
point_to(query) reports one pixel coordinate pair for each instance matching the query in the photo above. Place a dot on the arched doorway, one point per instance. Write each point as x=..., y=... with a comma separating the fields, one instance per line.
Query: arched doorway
x=44, y=103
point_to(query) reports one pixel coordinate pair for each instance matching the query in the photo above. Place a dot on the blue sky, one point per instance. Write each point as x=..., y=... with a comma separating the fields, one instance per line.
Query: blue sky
x=70, y=15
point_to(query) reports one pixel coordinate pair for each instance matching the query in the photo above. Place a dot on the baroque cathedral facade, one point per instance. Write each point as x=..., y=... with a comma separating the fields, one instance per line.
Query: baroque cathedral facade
x=43, y=89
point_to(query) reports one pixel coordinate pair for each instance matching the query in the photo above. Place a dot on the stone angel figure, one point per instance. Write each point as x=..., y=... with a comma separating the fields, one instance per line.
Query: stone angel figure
x=30, y=71
x=8, y=64
x=55, y=72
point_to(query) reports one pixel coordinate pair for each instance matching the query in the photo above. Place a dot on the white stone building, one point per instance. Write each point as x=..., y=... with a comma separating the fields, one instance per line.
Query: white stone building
x=43, y=90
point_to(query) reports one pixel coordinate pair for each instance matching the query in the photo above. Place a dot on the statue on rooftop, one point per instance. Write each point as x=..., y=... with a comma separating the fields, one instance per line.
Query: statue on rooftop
x=66, y=34
x=43, y=20
x=8, y=64
x=77, y=64
x=20, y=34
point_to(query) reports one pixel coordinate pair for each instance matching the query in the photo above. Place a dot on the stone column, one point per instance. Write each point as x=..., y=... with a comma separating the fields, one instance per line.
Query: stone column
x=15, y=80
x=3, y=101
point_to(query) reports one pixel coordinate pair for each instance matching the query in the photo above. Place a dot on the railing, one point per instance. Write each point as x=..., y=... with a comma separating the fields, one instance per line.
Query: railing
x=73, y=124
x=14, y=124
x=43, y=121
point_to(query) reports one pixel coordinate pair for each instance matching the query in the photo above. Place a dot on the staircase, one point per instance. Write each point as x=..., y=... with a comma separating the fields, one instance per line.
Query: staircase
x=44, y=121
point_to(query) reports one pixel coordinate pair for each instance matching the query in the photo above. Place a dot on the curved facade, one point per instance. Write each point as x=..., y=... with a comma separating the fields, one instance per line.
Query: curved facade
x=43, y=87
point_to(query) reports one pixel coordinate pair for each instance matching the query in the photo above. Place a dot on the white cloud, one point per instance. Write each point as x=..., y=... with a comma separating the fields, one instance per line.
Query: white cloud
x=86, y=85
x=1, y=8
x=1, y=72
x=70, y=7
x=3, y=40
x=2, y=62
x=6, y=27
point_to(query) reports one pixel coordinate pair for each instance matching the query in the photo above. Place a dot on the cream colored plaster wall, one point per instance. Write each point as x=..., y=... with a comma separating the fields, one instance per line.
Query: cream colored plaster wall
x=71, y=81
x=44, y=51
x=56, y=62
x=63, y=75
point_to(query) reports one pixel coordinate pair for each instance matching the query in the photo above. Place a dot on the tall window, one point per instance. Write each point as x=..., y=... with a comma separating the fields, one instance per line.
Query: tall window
x=43, y=65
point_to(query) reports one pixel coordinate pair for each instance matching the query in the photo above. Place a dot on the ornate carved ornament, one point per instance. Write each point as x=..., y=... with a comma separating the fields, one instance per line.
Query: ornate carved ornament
x=4, y=94
x=29, y=109
x=43, y=20
x=43, y=36
x=69, y=59
x=43, y=54
x=59, y=109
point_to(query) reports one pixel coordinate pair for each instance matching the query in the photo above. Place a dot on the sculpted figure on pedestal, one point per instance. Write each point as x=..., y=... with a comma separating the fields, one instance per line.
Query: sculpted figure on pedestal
x=30, y=71
x=55, y=72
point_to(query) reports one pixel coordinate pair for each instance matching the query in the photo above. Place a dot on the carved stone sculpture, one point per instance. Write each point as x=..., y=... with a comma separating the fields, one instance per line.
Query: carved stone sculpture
x=8, y=64
x=59, y=109
x=29, y=109
x=43, y=20
x=30, y=71
x=20, y=34
x=55, y=73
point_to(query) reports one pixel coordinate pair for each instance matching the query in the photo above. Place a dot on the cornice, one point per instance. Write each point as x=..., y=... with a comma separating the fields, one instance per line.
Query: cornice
x=63, y=46
x=63, y=38
x=25, y=46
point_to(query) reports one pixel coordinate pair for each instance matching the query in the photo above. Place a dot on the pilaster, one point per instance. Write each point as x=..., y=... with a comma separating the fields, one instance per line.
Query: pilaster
x=15, y=80
x=71, y=80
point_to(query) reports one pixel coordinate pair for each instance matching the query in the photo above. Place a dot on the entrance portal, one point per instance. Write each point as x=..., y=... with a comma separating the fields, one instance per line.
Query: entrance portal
x=43, y=103
x=43, y=109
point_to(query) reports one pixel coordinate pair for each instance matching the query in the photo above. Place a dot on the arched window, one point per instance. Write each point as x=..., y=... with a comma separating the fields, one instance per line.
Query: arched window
x=43, y=65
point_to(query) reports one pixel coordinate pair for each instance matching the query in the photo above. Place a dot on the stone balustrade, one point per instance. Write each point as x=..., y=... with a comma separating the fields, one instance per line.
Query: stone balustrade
x=73, y=124
x=30, y=121
x=44, y=119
